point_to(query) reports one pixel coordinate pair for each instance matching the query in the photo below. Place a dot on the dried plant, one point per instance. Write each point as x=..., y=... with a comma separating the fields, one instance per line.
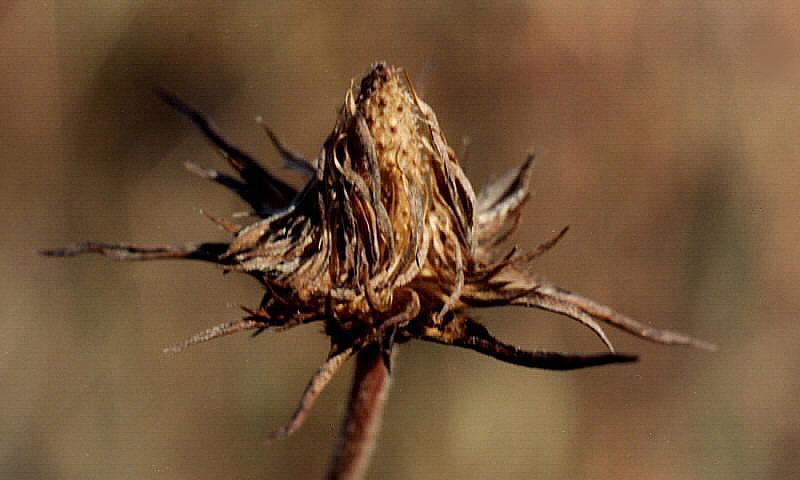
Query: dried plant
x=387, y=242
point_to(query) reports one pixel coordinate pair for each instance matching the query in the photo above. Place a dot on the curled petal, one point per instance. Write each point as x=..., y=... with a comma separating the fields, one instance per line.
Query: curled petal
x=293, y=160
x=501, y=200
x=216, y=331
x=222, y=223
x=466, y=333
x=557, y=305
x=553, y=298
x=209, y=252
x=410, y=311
x=317, y=384
x=236, y=186
x=542, y=248
x=458, y=286
x=273, y=192
x=505, y=194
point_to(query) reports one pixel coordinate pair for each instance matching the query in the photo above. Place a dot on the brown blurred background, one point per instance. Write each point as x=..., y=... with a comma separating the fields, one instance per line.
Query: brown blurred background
x=669, y=141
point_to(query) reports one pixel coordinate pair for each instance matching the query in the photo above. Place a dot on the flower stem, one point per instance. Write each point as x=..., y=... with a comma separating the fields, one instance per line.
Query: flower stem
x=362, y=421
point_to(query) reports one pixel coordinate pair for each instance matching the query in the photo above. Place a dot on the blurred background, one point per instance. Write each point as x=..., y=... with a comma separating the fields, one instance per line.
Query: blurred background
x=668, y=140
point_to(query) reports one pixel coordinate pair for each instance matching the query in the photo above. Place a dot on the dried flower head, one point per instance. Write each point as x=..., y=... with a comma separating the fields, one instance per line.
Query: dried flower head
x=387, y=241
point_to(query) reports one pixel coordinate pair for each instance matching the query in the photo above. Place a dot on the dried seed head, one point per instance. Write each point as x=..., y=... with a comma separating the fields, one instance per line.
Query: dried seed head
x=387, y=241
x=384, y=228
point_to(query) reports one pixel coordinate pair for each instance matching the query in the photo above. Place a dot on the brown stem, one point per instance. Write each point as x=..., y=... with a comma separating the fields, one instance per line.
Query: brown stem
x=361, y=424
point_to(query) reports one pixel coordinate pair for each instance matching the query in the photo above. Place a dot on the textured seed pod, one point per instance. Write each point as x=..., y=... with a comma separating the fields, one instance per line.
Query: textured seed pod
x=386, y=242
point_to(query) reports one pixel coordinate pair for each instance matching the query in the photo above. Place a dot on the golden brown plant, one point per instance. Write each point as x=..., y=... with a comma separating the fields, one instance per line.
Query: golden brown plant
x=387, y=242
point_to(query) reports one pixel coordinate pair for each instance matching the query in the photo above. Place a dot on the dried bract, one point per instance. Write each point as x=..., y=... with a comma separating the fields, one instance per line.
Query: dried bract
x=387, y=241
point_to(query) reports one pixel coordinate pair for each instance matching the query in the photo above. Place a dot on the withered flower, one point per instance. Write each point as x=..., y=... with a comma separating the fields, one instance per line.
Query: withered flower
x=387, y=242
